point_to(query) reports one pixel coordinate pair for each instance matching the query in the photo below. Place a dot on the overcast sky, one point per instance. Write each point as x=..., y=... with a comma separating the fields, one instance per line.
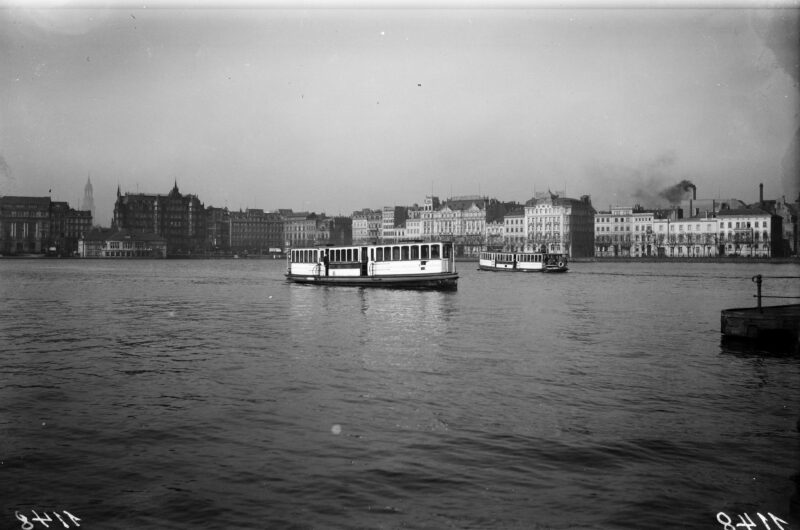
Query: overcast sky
x=334, y=110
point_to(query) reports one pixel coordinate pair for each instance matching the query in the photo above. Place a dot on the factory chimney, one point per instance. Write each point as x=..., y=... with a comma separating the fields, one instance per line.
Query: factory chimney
x=761, y=195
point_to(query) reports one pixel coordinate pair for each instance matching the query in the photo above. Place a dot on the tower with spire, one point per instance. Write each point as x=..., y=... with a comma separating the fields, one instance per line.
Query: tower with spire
x=88, y=197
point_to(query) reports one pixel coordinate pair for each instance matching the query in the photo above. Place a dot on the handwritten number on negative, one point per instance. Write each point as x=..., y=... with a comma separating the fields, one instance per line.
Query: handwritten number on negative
x=40, y=519
x=747, y=522
x=27, y=524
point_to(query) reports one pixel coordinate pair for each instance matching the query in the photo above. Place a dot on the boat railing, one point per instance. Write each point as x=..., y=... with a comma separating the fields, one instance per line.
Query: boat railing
x=758, y=279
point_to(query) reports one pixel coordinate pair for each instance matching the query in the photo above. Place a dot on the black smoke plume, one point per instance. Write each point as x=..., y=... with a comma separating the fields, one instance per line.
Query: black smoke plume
x=675, y=194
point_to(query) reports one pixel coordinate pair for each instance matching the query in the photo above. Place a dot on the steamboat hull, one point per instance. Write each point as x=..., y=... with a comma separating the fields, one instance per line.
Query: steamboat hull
x=440, y=282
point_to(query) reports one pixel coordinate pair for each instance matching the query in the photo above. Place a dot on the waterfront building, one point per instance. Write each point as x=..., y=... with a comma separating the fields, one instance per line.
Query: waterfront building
x=694, y=237
x=624, y=231
x=299, y=228
x=788, y=212
x=179, y=219
x=750, y=231
x=393, y=224
x=366, y=225
x=218, y=230
x=255, y=231
x=336, y=230
x=414, y=223
x=24, y=225
x=514, y=230
x=427, y=217
x=560, y=225
x=38, y=225
x=495, y=230
x=67, y=225
x=121, y=244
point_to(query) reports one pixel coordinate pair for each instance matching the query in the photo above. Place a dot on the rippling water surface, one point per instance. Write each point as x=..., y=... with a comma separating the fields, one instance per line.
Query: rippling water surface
x=212, y=394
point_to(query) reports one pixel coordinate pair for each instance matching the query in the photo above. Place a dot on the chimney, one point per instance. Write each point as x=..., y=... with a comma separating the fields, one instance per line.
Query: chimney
x=694, y=192
x=761, y=194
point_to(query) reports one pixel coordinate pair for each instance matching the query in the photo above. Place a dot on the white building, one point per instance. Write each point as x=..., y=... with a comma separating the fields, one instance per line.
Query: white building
x=749, y=232
x=560, y=225
x=624, y=231
x=695, y=237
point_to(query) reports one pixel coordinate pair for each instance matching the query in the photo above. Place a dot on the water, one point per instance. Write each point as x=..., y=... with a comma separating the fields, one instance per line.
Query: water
x=212, y=394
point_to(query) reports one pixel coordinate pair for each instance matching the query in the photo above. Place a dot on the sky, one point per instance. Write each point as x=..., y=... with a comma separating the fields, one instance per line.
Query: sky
x=335, y=108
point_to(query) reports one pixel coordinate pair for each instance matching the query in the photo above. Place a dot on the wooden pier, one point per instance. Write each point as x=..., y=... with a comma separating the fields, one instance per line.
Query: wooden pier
x=771, y=326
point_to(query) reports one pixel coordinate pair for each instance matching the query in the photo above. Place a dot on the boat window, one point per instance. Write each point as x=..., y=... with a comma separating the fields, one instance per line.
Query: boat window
x=425, y=254
x=404, y=252
x=352, y=255
x=395, y=253
x=435, y=251
x=387, y=253
x=372, y=254
x=380, y=254
x=447, y=250
x=414, y=251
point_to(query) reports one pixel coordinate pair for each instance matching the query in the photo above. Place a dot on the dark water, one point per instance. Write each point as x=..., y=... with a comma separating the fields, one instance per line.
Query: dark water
x=212, y=394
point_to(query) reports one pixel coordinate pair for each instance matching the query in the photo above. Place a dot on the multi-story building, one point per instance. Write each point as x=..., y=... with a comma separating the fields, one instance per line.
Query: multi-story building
x=393, y=224
x=37, y=225
x=218, y=230
x=366, y=225
x=427, y=217
x=560, y=225
x=514, y=230
x=299, y=229
x=335, y=230
x=24, y=225
x=694, y=237
x=67, y=225
x=750, y=232
x=624, y=231
x=789, y=214
x=255, y=231
x=179, y=219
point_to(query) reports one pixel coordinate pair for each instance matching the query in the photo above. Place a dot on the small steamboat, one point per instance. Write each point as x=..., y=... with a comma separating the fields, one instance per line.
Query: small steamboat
x=408, y=265
x=522, y=262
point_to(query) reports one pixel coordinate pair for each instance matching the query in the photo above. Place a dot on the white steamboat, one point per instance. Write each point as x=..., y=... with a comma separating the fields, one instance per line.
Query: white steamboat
x=410, y=265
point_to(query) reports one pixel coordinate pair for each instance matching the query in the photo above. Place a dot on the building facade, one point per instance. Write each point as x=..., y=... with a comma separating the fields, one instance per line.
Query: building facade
x=38, y=225
x=366, y=225
x=121, y=244
x=179, y=219
x=255, y=231
x=560, y=225
x=752, y=232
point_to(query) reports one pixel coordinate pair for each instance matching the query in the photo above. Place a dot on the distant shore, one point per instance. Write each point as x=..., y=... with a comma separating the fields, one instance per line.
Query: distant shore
x=724, y=259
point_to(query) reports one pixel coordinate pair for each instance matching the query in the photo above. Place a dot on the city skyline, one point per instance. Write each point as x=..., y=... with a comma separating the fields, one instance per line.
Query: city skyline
x=338, y=110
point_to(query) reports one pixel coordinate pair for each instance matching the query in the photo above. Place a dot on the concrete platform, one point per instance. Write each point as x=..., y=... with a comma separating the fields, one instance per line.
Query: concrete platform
x=771, y=325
